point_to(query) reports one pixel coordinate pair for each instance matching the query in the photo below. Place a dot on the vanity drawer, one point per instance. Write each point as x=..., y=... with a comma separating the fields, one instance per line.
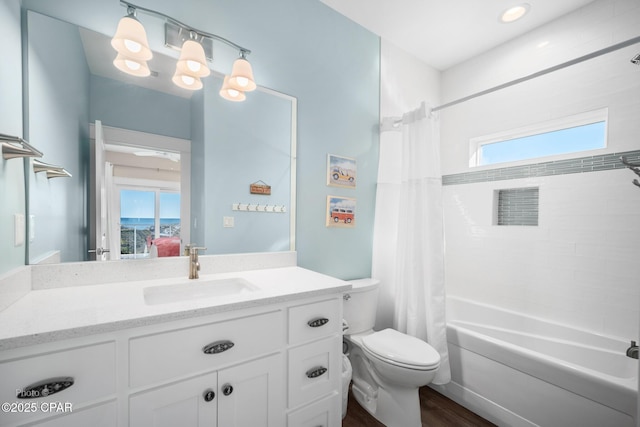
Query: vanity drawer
x=168, y=355
x=105, y=415
x=92, y=369
x=323, y=413
x=316, y=320
x=314, y=370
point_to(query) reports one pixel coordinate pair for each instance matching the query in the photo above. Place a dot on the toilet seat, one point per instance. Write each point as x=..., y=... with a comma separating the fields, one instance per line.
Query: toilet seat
x=400, y=349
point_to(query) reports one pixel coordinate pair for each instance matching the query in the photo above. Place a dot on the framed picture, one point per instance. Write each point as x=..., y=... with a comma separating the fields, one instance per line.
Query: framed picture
x=341, y=212
x=341, y=171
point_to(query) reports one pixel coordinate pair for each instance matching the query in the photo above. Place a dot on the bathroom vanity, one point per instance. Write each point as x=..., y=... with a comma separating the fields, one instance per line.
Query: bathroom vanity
x=253, y=347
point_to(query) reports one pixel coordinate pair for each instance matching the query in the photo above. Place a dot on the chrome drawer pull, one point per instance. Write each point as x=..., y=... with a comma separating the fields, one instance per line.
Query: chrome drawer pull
x=316, y=372
x=316, y=323
x=45, y=388
x=218, y=347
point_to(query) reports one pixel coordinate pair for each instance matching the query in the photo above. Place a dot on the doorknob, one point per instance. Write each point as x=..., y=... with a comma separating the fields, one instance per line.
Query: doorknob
x=98, y=251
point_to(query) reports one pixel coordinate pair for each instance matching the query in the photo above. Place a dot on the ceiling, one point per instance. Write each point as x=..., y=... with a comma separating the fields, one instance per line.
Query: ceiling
x=100, y=56
x=443, y=33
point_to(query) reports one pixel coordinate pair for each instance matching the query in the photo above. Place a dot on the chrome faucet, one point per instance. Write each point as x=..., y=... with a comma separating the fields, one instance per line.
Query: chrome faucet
x=632, y=351
x=194, y=264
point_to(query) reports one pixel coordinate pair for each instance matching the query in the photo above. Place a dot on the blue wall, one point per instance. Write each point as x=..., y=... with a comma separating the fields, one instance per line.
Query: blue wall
x=244, y=142
x=58, y=111
x=307, y=50
x=12, y=188
x=132, y=107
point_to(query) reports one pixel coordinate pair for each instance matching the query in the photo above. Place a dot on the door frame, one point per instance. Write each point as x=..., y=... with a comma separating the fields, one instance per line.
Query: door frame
x=131, y=138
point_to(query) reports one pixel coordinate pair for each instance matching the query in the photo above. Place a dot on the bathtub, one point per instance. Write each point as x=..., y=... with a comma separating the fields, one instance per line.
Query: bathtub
x=517, y=370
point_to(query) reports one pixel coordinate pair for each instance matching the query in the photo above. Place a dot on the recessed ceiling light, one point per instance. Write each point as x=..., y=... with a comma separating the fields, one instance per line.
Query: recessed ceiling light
x=514, y=13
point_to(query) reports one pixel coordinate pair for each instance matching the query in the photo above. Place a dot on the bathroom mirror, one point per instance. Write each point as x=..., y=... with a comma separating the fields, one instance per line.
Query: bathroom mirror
x=161, y=141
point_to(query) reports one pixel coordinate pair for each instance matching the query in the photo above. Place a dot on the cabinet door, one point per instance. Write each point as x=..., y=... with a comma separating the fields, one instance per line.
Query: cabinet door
x=314, y=370
x=252, y=394
x=91, y=369
x=104, y=415
x=322, y=413
x=190, y=403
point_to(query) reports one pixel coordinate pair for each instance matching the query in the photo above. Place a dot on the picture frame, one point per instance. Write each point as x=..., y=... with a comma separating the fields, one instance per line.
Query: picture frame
x=341, y=171
x=341, y=212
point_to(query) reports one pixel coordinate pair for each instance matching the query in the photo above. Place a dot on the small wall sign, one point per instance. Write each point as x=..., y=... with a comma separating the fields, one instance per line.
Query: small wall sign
x=260, y=187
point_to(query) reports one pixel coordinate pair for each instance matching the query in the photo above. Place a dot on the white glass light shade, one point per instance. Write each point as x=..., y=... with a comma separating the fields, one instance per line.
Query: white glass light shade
x=192, y=60
x=130, y=39
x=241, y=77
x=230, y=93
x=186, y=81
x=132, y=66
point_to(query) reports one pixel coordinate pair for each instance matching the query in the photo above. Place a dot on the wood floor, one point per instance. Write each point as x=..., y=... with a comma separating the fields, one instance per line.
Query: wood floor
x=437, y=411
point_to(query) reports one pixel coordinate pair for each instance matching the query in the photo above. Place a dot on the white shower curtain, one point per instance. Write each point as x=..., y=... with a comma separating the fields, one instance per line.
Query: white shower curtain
x=409, y=234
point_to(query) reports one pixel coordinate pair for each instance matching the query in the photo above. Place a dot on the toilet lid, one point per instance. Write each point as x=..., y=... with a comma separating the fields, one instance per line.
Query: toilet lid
x=400, y=348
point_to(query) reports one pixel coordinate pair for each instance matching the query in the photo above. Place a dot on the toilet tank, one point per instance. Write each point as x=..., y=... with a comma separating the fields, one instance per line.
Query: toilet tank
x=360, y=305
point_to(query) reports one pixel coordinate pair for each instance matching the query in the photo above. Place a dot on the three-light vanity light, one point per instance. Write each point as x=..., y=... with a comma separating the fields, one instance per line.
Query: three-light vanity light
x=130, y=41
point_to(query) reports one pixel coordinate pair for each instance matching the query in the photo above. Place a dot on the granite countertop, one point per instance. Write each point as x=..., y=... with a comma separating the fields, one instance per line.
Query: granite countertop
x=60, y=313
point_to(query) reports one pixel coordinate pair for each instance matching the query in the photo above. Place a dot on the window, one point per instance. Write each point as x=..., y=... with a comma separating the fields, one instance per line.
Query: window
x=149, y=217
x=582, y=132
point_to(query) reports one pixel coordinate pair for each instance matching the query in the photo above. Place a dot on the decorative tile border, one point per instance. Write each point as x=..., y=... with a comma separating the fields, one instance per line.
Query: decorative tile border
x=518, y=206
x=558, y=167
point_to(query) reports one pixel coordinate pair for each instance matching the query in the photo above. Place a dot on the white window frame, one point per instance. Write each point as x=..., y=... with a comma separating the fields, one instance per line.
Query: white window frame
x=581, y=119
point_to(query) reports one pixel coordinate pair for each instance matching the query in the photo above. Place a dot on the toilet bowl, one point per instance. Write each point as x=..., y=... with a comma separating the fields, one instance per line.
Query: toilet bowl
x=388, y=366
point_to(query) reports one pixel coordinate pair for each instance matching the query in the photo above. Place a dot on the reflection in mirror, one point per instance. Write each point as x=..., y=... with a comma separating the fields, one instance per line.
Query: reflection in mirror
x=142, y=180
x=223, y=147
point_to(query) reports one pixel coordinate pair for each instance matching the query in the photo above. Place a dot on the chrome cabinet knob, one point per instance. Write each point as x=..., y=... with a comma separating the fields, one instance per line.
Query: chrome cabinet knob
x=227, y=389
x=208, y=395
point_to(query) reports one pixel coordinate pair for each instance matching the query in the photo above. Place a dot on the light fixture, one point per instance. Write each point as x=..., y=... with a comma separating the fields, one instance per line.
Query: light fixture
x=186, y=81
x=514, y=13
x=241, y=77
x=130, y=41
x=192, y=59
x=230, y=93
x=132, y=66
x=192, y=65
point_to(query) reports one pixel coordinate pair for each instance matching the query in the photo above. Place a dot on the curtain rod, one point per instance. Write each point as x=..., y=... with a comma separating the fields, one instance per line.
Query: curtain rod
x=575, y=61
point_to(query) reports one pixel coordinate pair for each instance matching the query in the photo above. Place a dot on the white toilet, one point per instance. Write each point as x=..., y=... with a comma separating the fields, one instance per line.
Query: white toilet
x=388, y=366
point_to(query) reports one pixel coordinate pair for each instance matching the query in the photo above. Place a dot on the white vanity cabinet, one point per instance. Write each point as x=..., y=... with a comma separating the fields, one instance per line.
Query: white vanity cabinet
x=225, y=373
x=243, y=395
x=265, y=365
x=315, y=365
x=58, y=384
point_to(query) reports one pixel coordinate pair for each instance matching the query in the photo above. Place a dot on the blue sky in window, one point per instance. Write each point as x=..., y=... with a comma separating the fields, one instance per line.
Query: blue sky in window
x=580, y=138
x=169, y=205
x=141, y=204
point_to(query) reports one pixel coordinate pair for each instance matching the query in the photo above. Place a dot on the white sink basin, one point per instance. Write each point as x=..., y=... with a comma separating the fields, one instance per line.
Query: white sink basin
x=197, y=289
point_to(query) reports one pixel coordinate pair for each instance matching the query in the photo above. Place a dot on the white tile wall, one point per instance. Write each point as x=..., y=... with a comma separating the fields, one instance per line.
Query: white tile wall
x=579, y=266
